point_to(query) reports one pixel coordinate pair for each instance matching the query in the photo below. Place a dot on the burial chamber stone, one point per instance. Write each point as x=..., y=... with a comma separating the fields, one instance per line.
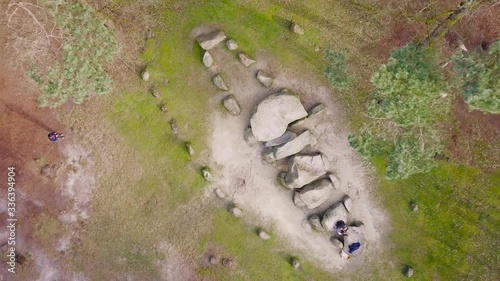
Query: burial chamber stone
x=272, y=116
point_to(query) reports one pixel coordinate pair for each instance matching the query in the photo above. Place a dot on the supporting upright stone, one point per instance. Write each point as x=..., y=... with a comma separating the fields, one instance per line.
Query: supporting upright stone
x=245, y=60
x=220, y=83
x=265, y=79
x=208, y=60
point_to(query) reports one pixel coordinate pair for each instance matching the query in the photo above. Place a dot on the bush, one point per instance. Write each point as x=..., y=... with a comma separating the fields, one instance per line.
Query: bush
x=405, y=113
x=336, y=71
x=88, y=46
x=478, y=78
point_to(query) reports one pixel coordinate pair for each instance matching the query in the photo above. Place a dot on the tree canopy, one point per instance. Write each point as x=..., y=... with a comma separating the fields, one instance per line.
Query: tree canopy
x=478, y=78
x=407, y=107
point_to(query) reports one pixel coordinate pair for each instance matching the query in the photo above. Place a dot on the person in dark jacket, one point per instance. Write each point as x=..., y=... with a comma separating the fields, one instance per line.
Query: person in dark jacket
x=55, y=137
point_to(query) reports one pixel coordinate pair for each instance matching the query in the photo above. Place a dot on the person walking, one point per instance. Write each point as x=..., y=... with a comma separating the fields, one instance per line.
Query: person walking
x=55, y=137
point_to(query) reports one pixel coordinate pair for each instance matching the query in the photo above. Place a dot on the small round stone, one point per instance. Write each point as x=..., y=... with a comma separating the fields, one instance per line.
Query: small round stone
x=236, y=212
x=263, y=235
x=212, y=260
x=227, y=262
x=413, y=206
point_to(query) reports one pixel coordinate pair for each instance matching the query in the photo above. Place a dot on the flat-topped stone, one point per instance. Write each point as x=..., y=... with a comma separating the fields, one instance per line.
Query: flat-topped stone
x=294, y=146
x=208, y=41
x=272, y=116
x=303, y=169
x=313, y=194
x=286, y=137
x=245, y=59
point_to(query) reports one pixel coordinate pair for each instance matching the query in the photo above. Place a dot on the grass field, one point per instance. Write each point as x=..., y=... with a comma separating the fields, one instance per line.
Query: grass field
x=452, y=236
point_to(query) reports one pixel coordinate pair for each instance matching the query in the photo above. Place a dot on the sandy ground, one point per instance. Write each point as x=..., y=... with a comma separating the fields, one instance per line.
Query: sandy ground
x=251, y=182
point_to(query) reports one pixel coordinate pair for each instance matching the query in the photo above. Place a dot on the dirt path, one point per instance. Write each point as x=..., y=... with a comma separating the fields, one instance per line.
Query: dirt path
x=251, y=182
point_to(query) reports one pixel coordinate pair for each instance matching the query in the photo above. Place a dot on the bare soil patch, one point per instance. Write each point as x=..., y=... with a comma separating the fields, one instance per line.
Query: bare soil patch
x=474, y=137
x=41, y=198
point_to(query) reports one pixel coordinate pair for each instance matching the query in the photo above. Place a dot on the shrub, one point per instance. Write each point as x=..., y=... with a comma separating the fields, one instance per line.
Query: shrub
x=405, y=113
x=80, y=73
x=336, y=71
x=478, y=78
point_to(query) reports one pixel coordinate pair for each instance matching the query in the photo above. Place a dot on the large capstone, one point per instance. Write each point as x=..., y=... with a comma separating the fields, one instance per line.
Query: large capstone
x=333, y=215
x=314, y=194
x=208, y=41
x=272, y=116
x=294, y=146
x=303, y=169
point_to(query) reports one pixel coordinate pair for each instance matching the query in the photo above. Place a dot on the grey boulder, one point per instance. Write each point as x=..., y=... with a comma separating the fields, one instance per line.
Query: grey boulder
x=231, y=44
x=315, y=223
x=313, y=194
x=208, y=41
x=311, y=118
x=347, y=201
x=231, y=105
x=286, y=137
x=263, y=235
x=335, y=180
x=295, y=28
x=220, y=193
x=235, y=211
x=333, y=215
x=272, y=116
x=265, y=79
x=208, y=60
x=145, y=75
x=190, y=148
x=294, y=146
x=408, y=271
x=303, y=169
x=249, y=137
x=355, y=234
x=174, y=125
x=245, y=60
x=268, y=155
x=207, y=175
x=220, y=83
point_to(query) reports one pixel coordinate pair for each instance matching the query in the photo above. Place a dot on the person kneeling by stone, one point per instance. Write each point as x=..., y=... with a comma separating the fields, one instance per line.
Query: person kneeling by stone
x=341, y=228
